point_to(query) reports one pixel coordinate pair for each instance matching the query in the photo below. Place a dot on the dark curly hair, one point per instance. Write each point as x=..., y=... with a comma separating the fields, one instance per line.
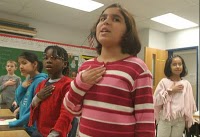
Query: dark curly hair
x=130, y=41
x=62, y=53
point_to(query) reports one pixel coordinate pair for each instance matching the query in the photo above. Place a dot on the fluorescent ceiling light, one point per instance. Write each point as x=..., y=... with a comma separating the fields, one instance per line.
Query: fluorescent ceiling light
x=174, y=21
x=85, y=5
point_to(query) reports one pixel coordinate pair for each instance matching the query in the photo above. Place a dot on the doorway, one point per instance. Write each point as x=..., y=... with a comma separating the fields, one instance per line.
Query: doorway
x=155, y=60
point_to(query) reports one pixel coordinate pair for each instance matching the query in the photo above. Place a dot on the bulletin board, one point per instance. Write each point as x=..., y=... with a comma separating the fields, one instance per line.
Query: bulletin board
x=73, y=64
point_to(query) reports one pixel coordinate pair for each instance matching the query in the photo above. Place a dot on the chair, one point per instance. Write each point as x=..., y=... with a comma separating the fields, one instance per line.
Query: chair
x=193, y=131
x=72, y=132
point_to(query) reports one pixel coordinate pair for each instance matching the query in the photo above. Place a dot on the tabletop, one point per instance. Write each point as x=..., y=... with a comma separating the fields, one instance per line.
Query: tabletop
x=14, y=133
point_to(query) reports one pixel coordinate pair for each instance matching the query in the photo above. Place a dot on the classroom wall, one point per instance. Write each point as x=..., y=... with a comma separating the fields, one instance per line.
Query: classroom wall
x=39, y=45
x=157, y=39
x=144, y=38
x=76, y=36
x=53, y=32
x=178, y=39
x=183, y=38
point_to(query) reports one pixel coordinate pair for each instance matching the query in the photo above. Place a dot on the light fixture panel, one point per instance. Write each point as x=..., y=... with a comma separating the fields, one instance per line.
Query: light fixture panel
x=174, y=21
x=84, y=5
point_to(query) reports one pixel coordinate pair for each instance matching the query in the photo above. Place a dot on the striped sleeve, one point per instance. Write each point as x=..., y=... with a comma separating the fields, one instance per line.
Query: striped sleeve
x=143, y=101
x=74, y=98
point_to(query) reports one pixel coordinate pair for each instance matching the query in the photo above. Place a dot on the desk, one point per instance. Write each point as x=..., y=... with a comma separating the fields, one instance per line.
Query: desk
x=194, y=129
x=14, y=133
x=6, y=128
x=6, y=114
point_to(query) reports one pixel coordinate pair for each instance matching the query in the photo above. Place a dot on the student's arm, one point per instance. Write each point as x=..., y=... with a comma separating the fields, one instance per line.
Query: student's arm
x=18, y=81
x=74, y=98
x=2, y=86
x=21, y=90
x=19, y=93
x=143, y=104
x=189, y=104
x=161, y=95
x=22, y=121
x=34, y=108
x=41, y=95
x=36, y=101
x=65, y=117
x=7, y=83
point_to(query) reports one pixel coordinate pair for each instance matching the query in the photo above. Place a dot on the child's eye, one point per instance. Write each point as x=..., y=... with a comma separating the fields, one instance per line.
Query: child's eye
x=102, y=18
x=54, y=57
x=23, y=63
x=45, y=57
x=116, y=20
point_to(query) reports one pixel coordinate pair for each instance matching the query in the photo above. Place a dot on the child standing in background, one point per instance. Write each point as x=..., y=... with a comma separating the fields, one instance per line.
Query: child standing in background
x=9, y=83
x=52, y=119
x=113, y=92
x=29, y=64
x=173, y=100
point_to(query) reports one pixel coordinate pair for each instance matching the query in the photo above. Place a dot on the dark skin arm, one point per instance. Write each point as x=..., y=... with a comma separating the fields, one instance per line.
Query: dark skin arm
x=45, y=92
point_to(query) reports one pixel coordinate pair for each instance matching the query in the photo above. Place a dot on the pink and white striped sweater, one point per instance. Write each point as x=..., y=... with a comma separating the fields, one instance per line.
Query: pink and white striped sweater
x=120, y=105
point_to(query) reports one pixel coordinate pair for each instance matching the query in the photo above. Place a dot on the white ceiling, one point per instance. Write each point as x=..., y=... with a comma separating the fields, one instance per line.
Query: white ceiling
x=142, y=10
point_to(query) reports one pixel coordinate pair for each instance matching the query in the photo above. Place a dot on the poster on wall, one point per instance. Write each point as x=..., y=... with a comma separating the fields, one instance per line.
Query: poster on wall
x=83, y=58
x=73, y=65
x=75, y=62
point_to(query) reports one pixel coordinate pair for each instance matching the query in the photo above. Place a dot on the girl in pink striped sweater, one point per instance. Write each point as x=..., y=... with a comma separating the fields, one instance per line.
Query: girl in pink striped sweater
x=173, y=99
x=113, y=92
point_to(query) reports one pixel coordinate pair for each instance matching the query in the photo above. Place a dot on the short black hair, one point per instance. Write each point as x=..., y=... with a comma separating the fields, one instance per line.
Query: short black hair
x=167, y=69
x=130, y=41
x=61, y=52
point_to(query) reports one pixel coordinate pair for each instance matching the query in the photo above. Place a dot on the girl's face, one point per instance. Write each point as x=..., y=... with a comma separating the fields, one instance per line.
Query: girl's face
x=111, y=27
x=10, y=67
x=176, y=66
x=26, y=67
x=53, y=64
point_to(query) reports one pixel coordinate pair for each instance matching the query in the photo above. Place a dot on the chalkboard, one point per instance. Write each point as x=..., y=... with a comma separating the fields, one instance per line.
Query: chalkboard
x=12, y=54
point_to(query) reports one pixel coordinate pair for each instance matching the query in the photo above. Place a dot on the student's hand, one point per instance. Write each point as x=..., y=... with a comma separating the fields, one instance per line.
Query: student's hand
x=176, y=88
x=10, y=82
x=14, y=104
x=16, y=111
x=93, y=75
x=26, y=83
x=45, y=92
x=53, y=133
